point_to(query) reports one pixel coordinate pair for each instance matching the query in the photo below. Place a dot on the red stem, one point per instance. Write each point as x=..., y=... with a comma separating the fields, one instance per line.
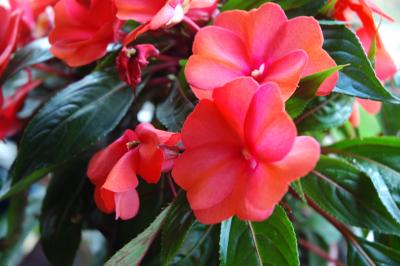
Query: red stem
x=193, y=25
x=318, y=251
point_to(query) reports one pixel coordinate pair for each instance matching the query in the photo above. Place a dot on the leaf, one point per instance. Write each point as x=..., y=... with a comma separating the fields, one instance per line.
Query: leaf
x=371, y=253
x=133, y=252
x=62, y=213
x=379, y=159
x=173, y=111
x=179, y=220
x=307, y=88
x=389, y=118
x=292, y=7
x=35, y=52
x=272, y=241
x=347, y=193
x=326, y=112
x=69, y=124
x=358, y=79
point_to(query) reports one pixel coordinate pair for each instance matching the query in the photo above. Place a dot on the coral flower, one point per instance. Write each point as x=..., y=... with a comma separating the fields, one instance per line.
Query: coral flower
x=9, y=21
x=371, y=107
x=83, y=29
x=156, y=14
x=368, y=33
x=145, y=151
x=262, y=44
x=242, y=151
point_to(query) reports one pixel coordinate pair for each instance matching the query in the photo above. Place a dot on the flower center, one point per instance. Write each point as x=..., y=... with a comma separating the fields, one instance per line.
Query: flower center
x=133, y=144
x=256, y=73
x=252, y=161
x=130, y=52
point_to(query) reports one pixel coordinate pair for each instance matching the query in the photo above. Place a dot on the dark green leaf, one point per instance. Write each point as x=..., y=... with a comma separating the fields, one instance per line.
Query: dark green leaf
x=379, y=159
x=69, y=124
x=36, y=52
x=259, y=243
x=179, y=220
x=62, y=213
x=306, y=91
x=133, y=252
x=389, y=118
x=326, y=112
x=348, y=194
x=359, y=78
x=367, y=253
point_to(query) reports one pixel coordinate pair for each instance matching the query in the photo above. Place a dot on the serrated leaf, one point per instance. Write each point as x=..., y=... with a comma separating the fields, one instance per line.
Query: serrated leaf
x=379, y=159
x=62, y=213
x=348, y=194
x=367, y=253
x=307, y=89
x=35, y=52
x=358, y=79
x=133, y=252
x=177, y=225
x=325, y=112
x=272, y=242
x=69, y=124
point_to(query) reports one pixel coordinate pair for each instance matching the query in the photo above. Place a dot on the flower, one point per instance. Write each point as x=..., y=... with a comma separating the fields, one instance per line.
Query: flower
x=157, y=13
x=83, y=30
x=145, y=151
x=9, y=21
x=131, y=60
x=10, y=123
x=368, y=32
x=242, y=151
x=239, y=45
x=372, y=107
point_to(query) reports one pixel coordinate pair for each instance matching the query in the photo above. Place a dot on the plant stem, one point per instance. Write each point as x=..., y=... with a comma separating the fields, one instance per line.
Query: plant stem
x=193, y=25
x=318, y=251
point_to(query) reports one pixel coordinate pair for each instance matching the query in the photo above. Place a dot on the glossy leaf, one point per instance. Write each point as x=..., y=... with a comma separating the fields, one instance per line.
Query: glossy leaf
x=306, y=91
x=69, y=124
x=367, y=253
x=347, y=193
x=36, y=52
x=133, y=252
x=389, y=118
x=379, y=159
x=179, y=220
x=63, y=212
x=325, y=112
x=359, y=78
x=259, y=243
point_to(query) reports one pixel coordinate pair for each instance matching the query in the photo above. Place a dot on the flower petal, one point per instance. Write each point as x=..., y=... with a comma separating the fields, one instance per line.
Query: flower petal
x=104, y=200
x=372, y=107
x=126, y=204
x=123, y=175
x=138, y=10
x=150, y=162
x=269, y=132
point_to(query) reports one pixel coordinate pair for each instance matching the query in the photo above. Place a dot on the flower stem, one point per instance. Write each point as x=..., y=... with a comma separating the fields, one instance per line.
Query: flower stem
x=193, y=25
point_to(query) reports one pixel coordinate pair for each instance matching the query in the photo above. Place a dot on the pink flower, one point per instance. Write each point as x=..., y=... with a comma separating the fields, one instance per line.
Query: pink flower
x=368, y=32
x=156, y=14
x=131, y=60
x=9, y=21
x=372, y=107
x=113, y=170
x=262, y=44
x=10, y=123
x=83, y=30
x=241, y=156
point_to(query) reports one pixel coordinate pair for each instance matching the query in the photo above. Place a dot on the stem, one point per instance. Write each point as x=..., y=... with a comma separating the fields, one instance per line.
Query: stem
x=172, y=186
x=338, y=225
x=318, y=251
x=193, y=25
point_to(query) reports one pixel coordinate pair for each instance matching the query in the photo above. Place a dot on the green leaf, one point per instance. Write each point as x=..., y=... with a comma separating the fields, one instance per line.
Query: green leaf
x=389, y=119
x=326, y=112
x=62, y=213
x=179, y=220
x=35, y=52
x=366, y=253
x=359, y=79
x=347, y=193
x=133, y=252
x=379, y=159
x=68, y=124
x=307, y=89
x=292, y=7
x=259, y=243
